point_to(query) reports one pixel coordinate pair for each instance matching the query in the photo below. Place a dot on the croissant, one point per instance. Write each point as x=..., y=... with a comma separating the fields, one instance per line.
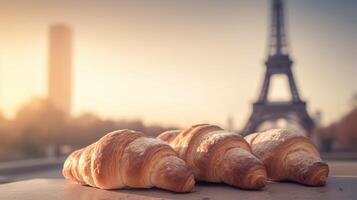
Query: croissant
x=289, y=156
x=126, y=158
x=216, y=155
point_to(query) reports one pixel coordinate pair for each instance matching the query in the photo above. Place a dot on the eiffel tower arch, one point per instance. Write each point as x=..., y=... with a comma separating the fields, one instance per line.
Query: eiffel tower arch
x=278, y=62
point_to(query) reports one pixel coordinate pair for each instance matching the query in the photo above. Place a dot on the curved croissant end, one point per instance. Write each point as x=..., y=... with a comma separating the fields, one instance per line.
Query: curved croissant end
x=168, y=136
x=289, y=156
x=216, y=155
x=240, y=168
x=128, y=158
x=69, y=165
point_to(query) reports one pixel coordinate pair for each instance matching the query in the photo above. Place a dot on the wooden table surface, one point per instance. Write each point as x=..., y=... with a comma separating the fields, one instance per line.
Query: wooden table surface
x=338, y=188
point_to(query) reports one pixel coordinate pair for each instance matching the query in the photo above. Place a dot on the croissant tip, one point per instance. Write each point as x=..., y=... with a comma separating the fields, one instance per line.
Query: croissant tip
x=256, y=178
x=319, y=174
x=189, y=185
x=261, y=182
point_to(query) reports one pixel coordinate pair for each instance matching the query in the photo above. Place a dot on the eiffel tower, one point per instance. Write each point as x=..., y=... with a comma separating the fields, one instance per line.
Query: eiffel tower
x=278, y=62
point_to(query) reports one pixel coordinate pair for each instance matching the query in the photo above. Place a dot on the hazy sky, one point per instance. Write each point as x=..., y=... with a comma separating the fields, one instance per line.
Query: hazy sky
x=179, y=62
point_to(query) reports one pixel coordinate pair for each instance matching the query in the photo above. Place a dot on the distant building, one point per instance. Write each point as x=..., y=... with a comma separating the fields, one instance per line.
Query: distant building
x=230, y=123
x=60, y=67
x=318, y=118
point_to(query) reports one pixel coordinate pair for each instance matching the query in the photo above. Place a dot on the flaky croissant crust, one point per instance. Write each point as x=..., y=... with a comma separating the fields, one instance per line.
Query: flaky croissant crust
x=217, y=155
x=127, y=158
x=290, y=156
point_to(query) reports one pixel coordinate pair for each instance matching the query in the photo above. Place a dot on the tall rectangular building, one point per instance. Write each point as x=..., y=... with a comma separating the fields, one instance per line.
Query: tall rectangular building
x=60, y=67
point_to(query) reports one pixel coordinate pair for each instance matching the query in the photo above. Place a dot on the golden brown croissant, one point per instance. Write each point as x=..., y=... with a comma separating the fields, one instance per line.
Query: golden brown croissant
x=127, y=158
x=290, y=156
x=216, y=155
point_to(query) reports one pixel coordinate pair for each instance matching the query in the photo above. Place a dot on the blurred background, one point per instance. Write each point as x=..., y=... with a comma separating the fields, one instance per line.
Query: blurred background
x=71, y=71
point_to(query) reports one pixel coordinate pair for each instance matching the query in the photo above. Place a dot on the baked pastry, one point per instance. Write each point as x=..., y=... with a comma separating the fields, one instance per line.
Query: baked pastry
x=289, y=155
x=127, y=158
x=216, y=155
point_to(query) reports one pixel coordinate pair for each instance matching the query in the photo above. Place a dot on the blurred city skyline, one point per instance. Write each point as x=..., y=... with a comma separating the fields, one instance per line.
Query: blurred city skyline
x=178, y=62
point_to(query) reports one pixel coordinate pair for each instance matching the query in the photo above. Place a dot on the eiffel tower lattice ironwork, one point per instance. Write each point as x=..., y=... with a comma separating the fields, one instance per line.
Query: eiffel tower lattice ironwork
x=278, y=62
